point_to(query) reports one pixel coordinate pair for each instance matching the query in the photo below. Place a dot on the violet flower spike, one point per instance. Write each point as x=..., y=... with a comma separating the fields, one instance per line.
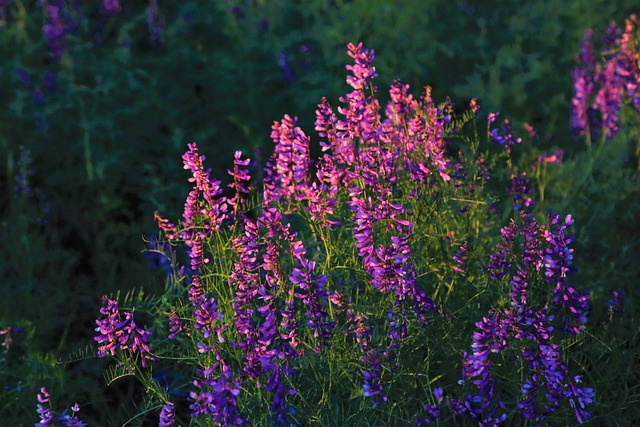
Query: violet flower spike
x=167, y=415
x=45, y=413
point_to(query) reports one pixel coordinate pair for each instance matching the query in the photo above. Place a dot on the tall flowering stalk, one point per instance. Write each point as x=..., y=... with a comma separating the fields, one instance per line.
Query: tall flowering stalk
x=601, y=88
x=117, y=334
x=526, y=328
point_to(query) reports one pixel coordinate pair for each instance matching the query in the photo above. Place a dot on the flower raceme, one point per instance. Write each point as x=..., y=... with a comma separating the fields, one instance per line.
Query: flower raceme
x=116, y=334
x=47, y=418
x=601, y=88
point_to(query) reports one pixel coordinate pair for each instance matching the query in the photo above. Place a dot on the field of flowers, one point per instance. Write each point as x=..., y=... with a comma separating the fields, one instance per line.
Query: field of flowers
x=375, y=252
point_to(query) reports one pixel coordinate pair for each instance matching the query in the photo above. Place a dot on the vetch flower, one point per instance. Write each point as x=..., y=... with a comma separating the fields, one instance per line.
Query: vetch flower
x=504, y=136
x=72, y=420
x=558, y=259
x=45, y=413
x=111, y=6
x=155, y=21
x=240, y=182
x=460, y=257
x=117, y=334
x=217, y=394
x=167, y=415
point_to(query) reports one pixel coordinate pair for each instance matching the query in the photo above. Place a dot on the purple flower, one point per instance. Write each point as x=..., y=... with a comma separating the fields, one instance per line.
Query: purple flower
x=363, y=72
x=361, y=112
x=558, y=257
x=176, y=325
x=500, y=262
x=155, y=20
x=45, y=413
x=212, y=207
x=287, y=173
x=580, y=114
x=245, y=281
x=314, y=297
x=168, y=228
x=460, y=257
x=167, y=415
x=240, y=182
x=117, y=334
x=401, y=105
x=135, y=339
x=111, y=6
x=56, y=26
x=287, y=71
x=616, y=302
x=25, y=76
x=608, y=98
x=504, y=136
x=72, y=420
x=109, y=328
x=520, y=191
x=217, y=395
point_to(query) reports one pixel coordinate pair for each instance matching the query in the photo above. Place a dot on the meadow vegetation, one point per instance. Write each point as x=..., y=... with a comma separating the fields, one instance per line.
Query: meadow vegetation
x=449, y=236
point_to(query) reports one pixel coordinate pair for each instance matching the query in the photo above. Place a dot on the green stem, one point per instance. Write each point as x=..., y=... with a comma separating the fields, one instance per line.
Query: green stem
x=86, y=139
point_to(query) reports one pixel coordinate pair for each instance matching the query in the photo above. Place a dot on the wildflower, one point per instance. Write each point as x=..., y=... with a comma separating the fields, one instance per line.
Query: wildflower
x=72, y=420
x=615, y=303
x=313, y=297
x=433, y=411
x=245, y=280
x=156, y=21
x=289, y=166
x=460, y=257
x=287, y=71
x=558, y=257
x=520, y=191
x=213, y=207
x=56, y=26
x=217, y=395
x=240, y=180
x=473, y=104
x=110, y=328
x=45, y=413
x=135, y=339
x=608, y=99
x=401, y=105
x=176, y=324
x=117, y=334
x=500, y=263
x=167, y=415
x=504, y=136
x=112, y=6
x=168, y=228
x=361, y=117
x=583, y=86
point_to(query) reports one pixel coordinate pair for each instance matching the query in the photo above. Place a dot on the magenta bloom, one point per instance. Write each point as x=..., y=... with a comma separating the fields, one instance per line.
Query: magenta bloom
x=117, y=334
x=45, y=413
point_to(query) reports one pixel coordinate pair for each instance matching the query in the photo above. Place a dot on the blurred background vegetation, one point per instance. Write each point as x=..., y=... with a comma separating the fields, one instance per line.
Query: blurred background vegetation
x=90, y=142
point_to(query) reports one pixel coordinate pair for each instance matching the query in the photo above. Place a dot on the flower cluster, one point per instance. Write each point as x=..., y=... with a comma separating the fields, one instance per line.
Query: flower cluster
x=526, y=329
x=600, y=88
x=333, y=264
x=47, y=418
x=114, y=333
x=58, y=24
